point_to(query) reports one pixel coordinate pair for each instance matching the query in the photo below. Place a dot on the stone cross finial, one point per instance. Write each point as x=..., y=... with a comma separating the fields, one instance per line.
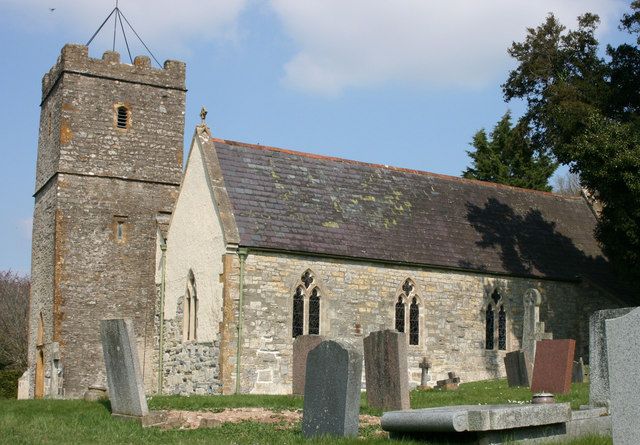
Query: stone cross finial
x=425, y=366
x=203, y=115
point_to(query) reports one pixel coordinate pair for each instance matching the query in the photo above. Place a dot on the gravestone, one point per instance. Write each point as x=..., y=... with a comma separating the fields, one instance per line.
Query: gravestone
x=332, y=390
x=386, y=371
x=598, y=363
x=533, y=330
x=517, y=369
x=623, y=346
x=301, y=347
x=425, y=378
x=553, y=366
x=449, y=383
x=578, y=375
x=124, y=380
x=23, y=386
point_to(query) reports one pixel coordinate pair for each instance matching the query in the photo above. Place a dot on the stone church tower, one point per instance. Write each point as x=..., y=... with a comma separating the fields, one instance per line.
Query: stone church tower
x=108, y=172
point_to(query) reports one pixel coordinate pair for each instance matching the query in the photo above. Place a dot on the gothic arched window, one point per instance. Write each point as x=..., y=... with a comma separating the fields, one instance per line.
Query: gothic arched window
x=400, y=315
x=496, y=307
x=306, y=305
x=414, y=323
x=488, y=342
x=407, y=312
x=502, y=329
x=190, y=310
x=298, y=312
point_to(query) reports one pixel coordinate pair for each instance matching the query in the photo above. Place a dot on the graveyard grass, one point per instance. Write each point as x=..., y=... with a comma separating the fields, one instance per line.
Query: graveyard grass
x=74, y=421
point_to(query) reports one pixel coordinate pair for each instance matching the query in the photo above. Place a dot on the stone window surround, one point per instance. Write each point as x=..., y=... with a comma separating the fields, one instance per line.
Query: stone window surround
x=307, y=291
x=407, y=300
x=190, y=310
x=504, y=303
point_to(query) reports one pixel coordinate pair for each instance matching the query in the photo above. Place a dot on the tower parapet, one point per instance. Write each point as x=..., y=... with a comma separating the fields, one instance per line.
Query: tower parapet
x=75, y=59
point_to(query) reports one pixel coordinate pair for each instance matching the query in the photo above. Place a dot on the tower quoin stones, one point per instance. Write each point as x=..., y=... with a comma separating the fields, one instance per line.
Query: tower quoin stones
x=108, y=173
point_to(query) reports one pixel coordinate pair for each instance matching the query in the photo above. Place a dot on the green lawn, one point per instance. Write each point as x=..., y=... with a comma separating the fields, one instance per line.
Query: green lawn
x=71, y=421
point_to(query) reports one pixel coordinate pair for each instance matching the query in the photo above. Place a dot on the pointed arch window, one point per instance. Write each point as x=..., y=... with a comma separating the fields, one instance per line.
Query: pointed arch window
x=496, y=307
x=400, y=309
x=306, y=306
x=414, y=322
x=190, y=310
x=407, y=312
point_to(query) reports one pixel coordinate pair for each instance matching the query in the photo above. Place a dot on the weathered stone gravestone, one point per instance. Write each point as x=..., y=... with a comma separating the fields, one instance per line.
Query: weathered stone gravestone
x=450, y=383
x=301, y=347
x=598, y=363
x=332, y=390
x=578, y=374
x=623, y=346
x=425, y=378
x=554, y=366
x=124, y=380
x=517, y=369
x=533, y=330
x=386, y=371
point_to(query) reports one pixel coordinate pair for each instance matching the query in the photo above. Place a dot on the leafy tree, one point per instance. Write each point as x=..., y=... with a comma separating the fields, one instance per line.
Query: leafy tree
x=584, y=110
x=14, y=307
x=507, y=157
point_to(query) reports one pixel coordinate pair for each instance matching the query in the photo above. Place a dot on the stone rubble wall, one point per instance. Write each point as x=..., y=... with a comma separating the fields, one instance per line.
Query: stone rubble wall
x=359, y=297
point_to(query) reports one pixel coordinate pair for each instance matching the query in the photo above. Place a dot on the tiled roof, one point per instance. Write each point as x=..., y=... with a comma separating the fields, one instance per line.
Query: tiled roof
x=307, y=203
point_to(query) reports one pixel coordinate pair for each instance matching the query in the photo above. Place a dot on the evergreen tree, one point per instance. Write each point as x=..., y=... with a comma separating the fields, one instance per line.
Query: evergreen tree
x=507, y=157
x=584, y=110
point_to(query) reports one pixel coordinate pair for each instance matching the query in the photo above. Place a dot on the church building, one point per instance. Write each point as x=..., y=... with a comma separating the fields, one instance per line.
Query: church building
x=223, y=266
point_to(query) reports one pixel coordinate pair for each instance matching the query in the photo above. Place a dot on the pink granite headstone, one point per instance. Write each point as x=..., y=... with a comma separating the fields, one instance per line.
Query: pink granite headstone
x=553, y=367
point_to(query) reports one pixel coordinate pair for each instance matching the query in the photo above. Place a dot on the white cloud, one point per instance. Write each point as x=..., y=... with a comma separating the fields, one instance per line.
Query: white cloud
x=429, y=43
x=166, y=24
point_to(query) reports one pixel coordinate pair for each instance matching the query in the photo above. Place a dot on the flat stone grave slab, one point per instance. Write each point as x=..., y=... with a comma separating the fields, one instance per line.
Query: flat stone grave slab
x=553, y=367
x=301, y=347
x=623, y=345
x=479, y=423
x=386, y=371
x=332, y=390
x=124, y=379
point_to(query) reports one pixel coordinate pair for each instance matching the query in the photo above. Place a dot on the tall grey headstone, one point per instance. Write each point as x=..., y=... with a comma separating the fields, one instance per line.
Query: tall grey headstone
x=598, y=363
x=533, y=329
x=386, y=371
x=301, y=347
x=623, y=347
x=517, y=369
x=332, y=390
x=124, y=380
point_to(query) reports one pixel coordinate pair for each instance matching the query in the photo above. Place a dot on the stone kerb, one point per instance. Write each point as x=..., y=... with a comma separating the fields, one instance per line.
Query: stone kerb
x=124, y=379
x=598, y=363
x=623, y=346
x=332, y=390
x=301, y=347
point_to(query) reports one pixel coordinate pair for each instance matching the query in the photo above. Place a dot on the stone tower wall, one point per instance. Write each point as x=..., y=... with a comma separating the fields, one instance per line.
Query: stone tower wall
x=99, y=190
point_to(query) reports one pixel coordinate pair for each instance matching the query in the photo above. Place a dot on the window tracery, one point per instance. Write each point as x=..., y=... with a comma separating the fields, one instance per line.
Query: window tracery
x=307, y=303
x=408, y=301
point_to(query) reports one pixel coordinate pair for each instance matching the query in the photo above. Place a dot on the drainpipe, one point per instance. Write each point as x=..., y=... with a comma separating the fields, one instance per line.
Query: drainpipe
x=242, y=253
x=163, y=247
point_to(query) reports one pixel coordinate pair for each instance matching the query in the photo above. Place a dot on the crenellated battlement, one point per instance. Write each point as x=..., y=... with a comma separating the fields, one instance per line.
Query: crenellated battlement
x=75, y=58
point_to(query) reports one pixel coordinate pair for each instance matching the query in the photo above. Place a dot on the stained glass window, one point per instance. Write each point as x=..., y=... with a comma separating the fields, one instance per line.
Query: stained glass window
x=502, y=329
x=298, y=313
x=314, y=312
x=414, y=323
x=400, y=315
x=489, y=328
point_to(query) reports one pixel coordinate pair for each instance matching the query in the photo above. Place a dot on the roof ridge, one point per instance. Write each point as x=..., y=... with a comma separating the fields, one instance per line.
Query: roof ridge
x=392, y=168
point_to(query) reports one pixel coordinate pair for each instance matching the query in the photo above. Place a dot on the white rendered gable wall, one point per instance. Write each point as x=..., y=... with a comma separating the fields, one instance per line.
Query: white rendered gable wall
x=195, y=242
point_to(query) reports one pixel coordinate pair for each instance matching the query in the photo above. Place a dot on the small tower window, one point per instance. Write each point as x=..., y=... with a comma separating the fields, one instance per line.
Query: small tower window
x=122, y=117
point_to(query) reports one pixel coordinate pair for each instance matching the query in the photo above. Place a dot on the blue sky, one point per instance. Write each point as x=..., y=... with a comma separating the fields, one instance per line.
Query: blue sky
x=397, y=82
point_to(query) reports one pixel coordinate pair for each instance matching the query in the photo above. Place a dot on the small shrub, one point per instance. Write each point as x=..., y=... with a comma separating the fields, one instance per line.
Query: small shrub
x=9, y=384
